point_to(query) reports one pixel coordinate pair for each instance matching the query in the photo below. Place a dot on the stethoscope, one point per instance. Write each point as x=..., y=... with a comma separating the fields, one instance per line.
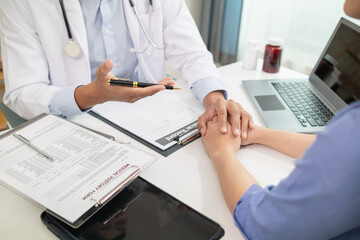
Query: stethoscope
x=147, y=35
x=73, y=49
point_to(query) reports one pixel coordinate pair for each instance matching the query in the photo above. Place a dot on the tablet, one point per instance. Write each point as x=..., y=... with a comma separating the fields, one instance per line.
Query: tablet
x=140, y=211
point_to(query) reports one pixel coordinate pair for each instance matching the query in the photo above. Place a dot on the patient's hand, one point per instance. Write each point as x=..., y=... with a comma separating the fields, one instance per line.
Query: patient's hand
x=253, y=136
x=217, y=143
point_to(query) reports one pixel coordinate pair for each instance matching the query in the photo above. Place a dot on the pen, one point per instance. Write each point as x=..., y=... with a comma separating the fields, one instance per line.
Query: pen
x=128, y=83
x=104, y=135
x=27, y=142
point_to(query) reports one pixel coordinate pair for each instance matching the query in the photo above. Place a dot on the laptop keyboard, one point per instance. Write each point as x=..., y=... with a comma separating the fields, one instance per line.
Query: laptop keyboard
x=306, y=106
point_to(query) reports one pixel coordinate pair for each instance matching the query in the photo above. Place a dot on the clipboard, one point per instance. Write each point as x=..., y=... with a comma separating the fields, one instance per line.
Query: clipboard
x=182, y=140
x=119, y=181
x=99, y=203
x=141, y=209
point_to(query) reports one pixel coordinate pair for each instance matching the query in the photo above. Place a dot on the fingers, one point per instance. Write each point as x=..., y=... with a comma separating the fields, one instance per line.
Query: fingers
x=234, y=112
x=251, y=123
x=222, y=115
x=212, y=123
x=239, y=117
x=246, y=123
x=148, y=91
x=104, y=69
x=214, y=120
x=109, y=75
x=203, y=119
x=201, y=124
x=134, y=94
x=167, y=81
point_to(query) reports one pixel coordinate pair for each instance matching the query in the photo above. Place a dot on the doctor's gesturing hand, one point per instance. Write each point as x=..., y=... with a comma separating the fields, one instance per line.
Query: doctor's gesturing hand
x=99, y=91
x=217, y=106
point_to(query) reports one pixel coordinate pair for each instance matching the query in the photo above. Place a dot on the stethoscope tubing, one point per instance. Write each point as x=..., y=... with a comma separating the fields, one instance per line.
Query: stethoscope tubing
x=147, y=35
x=65, y=19
x=69, y=49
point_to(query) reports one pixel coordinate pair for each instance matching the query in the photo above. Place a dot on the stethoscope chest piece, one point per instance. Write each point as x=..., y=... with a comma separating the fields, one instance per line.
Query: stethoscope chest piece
x=72, y=49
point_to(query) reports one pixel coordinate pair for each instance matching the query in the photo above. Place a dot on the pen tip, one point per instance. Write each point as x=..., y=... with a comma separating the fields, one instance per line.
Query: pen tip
x=176, y=88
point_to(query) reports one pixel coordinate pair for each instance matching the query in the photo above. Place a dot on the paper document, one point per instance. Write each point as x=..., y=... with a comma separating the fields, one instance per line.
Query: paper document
x=157, y=119
x=86, y=165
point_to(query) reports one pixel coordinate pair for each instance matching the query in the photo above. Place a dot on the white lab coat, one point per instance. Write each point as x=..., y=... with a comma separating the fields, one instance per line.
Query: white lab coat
x=33, y=36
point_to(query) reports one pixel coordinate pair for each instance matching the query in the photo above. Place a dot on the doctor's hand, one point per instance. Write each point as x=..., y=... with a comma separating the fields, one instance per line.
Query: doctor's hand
x=99, y=91
x=215, y=105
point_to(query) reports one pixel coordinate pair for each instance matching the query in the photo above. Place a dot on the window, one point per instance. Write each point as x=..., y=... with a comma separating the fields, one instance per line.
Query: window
x=305, y=26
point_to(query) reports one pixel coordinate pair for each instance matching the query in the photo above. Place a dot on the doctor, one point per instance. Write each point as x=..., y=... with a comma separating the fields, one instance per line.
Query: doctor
x=58, y=54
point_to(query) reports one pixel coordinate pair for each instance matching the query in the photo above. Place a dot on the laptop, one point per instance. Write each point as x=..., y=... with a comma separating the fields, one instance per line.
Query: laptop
x=307, y=105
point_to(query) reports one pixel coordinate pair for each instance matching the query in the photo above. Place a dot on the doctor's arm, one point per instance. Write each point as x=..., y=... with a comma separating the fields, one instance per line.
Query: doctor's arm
x=28, y=91
x=99, y=91
x=188, y=53
x=35, y=84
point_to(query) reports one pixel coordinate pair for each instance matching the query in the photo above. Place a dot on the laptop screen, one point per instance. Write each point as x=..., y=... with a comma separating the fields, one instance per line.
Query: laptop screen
x=339, y=67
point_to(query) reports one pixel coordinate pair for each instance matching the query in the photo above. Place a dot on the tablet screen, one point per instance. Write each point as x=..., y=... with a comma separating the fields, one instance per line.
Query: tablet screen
x=141, y=211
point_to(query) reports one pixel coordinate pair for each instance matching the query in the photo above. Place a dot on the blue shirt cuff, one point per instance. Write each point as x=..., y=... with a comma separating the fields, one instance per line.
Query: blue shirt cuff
x=204, y=86
x=63, y=103
x=239, y=210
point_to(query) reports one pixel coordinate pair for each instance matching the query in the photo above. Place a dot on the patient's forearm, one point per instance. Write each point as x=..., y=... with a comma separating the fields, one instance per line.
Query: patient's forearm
x=234, y=179
x=290, y=143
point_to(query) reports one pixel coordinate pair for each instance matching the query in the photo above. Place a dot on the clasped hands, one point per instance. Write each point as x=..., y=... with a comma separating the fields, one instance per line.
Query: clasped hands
x=218, y=142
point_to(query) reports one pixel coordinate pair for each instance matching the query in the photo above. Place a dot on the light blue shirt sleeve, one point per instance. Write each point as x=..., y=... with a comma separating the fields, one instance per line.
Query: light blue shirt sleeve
x=63, y=103
x=204, y=86
x=320, y=198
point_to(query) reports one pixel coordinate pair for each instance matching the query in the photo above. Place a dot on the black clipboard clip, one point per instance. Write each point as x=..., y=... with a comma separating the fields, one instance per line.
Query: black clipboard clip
x=187, y=137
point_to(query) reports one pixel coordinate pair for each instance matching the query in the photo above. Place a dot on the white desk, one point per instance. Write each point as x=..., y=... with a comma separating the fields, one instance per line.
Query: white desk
x=187, y=174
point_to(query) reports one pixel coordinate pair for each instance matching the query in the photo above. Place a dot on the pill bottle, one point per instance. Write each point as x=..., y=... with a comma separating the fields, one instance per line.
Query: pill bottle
x=272, y=55
x=250, y=56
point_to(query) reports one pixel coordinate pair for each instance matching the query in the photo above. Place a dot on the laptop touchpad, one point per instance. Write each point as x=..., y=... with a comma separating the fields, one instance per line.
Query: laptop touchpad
x=269, y=103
